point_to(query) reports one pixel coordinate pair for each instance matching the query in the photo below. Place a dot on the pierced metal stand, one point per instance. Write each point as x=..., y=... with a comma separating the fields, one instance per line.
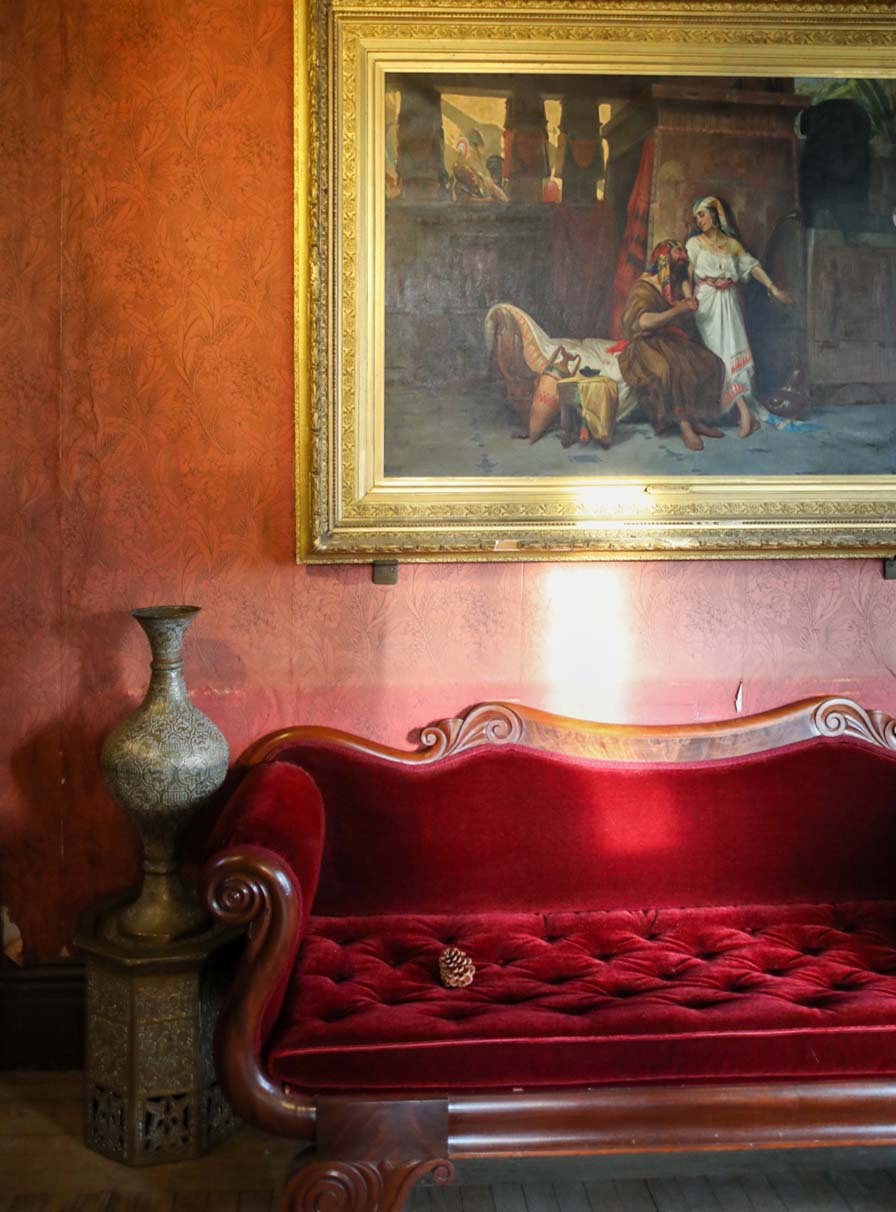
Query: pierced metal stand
x=150, y=1094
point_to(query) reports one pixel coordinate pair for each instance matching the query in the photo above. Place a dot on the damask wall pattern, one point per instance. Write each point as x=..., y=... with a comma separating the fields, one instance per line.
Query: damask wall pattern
x=146, y=331
x=31, y=639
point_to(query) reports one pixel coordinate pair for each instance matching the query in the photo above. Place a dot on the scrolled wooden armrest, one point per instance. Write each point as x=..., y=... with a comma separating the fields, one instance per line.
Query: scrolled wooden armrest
x=253, y=886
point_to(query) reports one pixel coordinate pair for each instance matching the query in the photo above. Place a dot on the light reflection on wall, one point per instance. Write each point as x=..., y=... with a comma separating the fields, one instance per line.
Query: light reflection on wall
x=587, y=646
x=591, y=615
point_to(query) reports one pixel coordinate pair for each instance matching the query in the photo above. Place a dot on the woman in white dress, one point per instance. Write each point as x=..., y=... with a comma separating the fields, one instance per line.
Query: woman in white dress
x=719, y=264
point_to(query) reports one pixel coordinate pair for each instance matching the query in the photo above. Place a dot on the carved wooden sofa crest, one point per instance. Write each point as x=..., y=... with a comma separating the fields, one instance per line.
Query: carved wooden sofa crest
x=683, y=938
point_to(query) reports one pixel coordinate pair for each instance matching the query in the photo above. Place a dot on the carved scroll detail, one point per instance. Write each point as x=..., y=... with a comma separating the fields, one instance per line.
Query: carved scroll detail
x=362, y=1186
x=490, y=724
x=255, y=887
x=843, y=717
x=237, y=897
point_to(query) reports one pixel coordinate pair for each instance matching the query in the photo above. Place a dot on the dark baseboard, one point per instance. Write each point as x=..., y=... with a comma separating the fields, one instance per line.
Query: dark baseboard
x=42, y=1016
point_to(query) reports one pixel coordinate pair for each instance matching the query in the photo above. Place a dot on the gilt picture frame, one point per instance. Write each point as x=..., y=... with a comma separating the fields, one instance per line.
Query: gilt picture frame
x=594, y=279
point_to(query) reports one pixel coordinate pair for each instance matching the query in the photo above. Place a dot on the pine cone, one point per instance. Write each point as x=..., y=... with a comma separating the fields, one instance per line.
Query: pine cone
x=456, y=968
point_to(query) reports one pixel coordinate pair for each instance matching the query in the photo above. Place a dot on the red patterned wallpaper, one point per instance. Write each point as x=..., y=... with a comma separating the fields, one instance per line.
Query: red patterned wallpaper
x=146, y=183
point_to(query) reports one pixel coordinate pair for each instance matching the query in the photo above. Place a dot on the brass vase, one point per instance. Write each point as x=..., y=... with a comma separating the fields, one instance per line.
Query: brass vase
x=161, y=764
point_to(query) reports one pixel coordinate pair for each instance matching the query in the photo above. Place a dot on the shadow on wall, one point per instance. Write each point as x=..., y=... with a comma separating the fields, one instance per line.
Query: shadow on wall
x=54, y=769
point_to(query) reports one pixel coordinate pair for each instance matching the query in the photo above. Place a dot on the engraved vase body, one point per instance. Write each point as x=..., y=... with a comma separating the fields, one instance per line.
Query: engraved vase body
x=161, y=764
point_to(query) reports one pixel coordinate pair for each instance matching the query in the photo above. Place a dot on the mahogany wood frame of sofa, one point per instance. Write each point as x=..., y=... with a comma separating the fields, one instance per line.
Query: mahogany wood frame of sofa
x=367, y=1149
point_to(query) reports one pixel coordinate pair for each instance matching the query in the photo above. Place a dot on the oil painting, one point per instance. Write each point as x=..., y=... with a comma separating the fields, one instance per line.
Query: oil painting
x=621, y=275
x=595, y=280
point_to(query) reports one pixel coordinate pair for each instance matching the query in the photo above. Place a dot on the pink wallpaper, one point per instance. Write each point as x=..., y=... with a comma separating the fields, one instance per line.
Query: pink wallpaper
x=146, y=330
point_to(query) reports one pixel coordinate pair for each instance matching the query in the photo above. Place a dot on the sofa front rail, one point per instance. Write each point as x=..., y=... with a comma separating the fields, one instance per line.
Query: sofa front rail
x=687, y=1118
x=368, y=1153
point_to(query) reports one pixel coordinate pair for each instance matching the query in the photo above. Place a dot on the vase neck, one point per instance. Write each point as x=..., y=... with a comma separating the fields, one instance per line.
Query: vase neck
x=167, y=681
x=165, y=630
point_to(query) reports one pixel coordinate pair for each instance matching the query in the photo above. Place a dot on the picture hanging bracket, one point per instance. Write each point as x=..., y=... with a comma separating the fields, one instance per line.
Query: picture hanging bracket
x=890, y=568
x=385, y=572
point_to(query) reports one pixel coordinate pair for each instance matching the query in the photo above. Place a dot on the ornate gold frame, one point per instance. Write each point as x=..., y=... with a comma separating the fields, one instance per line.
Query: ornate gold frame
x=347, y=511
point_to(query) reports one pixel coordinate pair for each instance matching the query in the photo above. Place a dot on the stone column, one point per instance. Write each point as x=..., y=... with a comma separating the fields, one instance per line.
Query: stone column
x=526, y=162
x=421, y=150
x=581, y=152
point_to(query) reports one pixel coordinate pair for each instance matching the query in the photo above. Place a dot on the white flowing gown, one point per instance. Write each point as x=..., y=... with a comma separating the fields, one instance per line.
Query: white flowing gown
x=719, y=315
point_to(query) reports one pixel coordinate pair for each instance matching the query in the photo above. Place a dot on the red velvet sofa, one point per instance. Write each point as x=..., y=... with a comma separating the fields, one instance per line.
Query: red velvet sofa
x=684, y=938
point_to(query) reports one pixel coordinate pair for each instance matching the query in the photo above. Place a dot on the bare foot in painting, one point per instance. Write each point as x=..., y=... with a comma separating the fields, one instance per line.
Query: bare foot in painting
x=748, y=423
x=690, y=439
x=749, y=427
x=708, y=431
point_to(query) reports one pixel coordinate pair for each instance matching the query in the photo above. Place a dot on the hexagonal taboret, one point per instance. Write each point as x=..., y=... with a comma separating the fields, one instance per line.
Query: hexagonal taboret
x=150, y=1092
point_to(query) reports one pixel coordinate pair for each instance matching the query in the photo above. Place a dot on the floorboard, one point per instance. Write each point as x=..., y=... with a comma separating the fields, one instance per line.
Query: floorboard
x=477, y=1197
x=540, y=1197
x=446, y=1199
x=667, y=1195
x=855, y=1191
x=634, y=1195
x=509, y=1197
x=419, y=1199
x=730, y=1194
x=699, y=1194
x=571, y=1197
x=604, y=1197
x=761, y=1193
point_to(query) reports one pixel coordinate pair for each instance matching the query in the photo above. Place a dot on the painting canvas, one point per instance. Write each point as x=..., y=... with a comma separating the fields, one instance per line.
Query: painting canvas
x=601, y=275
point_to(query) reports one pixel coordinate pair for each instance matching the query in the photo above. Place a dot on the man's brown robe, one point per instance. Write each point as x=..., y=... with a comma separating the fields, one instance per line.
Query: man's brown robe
x=674, y=375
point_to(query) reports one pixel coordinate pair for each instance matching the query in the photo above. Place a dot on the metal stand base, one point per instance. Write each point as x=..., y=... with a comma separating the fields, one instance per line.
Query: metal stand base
x=150, y=1094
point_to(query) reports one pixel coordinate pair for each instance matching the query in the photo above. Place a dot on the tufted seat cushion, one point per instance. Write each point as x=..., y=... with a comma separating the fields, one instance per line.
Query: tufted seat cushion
x=575, y=998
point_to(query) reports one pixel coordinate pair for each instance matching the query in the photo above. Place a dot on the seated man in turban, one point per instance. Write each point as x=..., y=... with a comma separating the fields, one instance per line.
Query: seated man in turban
x=678, y=380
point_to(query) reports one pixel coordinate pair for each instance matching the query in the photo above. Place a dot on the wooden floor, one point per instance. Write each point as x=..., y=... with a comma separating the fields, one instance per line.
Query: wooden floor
x=44, y=1167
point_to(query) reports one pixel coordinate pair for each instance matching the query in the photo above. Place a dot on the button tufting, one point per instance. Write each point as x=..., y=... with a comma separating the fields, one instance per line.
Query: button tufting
x=849, y=984
x=386, y=963
x=818, y=1001
x=457, y=1014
